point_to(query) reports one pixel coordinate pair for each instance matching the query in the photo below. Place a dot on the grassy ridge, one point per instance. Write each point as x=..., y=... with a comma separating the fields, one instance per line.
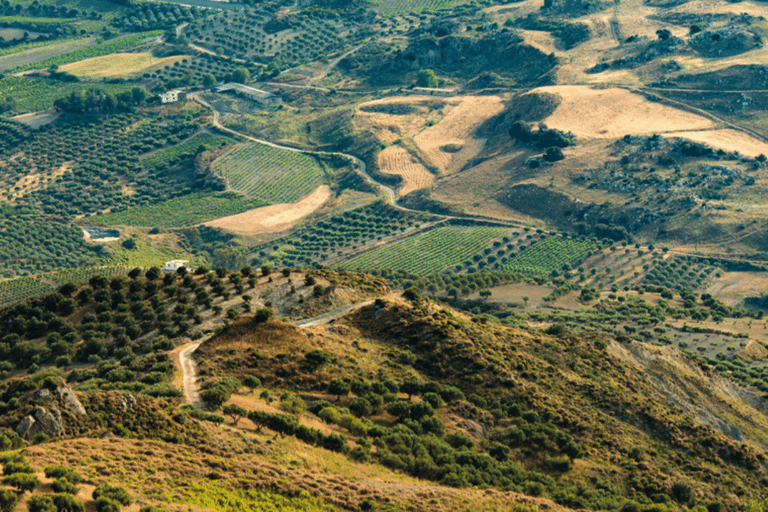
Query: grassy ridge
x=105, y=48
x=212, y=496
x=182, y=211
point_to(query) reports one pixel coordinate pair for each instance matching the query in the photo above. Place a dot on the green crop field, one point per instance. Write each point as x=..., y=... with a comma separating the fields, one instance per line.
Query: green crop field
x=97, y=50
x=182, y=211
x=14, y=290
x=32, y=94
x=144, y=254
x=427, y=253
x=33, y=45
x=271, y=174
x=399, y=7
x=42, y=21
x=553, y=253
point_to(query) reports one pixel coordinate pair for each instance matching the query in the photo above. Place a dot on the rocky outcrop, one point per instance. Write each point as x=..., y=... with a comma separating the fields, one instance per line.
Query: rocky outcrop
x=724, y=42
x=46, y=421
x=69, y=400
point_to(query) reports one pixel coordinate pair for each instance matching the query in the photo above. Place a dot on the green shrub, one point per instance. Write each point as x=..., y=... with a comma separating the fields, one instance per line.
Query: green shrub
x=41, y=504
x=117, y=494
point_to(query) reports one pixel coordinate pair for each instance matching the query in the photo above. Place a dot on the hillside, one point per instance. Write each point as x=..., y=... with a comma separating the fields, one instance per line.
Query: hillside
x=437, y=256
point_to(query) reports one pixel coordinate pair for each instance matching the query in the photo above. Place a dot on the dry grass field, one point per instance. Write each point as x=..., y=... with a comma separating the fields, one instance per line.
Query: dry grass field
x=118, y=65
x=613, y=113
x=452, y=143
x=273, y=218
x=398, y=161
x=728, y=140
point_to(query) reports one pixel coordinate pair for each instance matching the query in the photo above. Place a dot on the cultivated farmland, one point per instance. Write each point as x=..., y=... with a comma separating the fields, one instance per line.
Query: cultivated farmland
x=399, y=162
x=118, y=64
x=270, y=174
x=552, y=254
x=182, y=211
x=21, y=288
x=427, y=253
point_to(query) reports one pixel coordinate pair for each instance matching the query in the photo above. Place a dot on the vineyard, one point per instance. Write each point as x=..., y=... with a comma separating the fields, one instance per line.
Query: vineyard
x=106, y=48
x=332, y=236
x=182, y=211
x=14, y=290
x=40, y=21
x=270, y=174
x=193, y=146
x=554, y=254
x=426, y=253
x=400, y=7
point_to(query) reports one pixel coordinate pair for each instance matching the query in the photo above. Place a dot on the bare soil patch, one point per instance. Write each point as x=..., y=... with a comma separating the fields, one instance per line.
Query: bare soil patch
x=38, y=119
x=613, y=113
x=728, y=140
x=274, y=218
x=451, y=144
x=398, y=161
x=732, y=287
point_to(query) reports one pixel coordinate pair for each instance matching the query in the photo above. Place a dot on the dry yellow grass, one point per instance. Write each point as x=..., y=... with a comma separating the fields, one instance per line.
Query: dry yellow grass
x=450, y=144
x=274, y=218
x=396, y=160
x=397, y=116
x=613, y=113
x=118, y=64
x=728, y=140
x=34, y=181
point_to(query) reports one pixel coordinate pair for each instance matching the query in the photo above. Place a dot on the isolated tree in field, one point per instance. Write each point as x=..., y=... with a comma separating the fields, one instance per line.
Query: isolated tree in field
x=266, y=270
x=214, y=397
x=153, y=274
x=521, y=131
x=251, y=382
x=338, y=388
x=309, y=280
x=235, y=412
x=411, y=387
x=316, y=358
x=241, y=76
x=209, y=80
x=426, y=78
x=41, y=504
x=663, y=34
x=68, y=503
x=262, y=315
x=22, y=481
x=485, y=294
x=114, y=493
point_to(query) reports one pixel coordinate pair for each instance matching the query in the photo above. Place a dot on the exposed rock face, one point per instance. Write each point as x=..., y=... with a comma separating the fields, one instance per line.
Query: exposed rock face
x=127, y=401
x=69, y=401
x=47, y=421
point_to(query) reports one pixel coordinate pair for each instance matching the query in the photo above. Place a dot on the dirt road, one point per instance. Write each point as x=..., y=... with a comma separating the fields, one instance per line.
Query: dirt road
x=189, y=374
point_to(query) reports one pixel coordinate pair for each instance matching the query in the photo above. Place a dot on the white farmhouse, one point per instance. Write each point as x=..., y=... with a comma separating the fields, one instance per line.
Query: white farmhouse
x=173, y=265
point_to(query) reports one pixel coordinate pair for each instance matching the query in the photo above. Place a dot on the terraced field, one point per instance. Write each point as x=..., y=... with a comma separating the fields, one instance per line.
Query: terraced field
x=270, y=174
x=436, y=250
